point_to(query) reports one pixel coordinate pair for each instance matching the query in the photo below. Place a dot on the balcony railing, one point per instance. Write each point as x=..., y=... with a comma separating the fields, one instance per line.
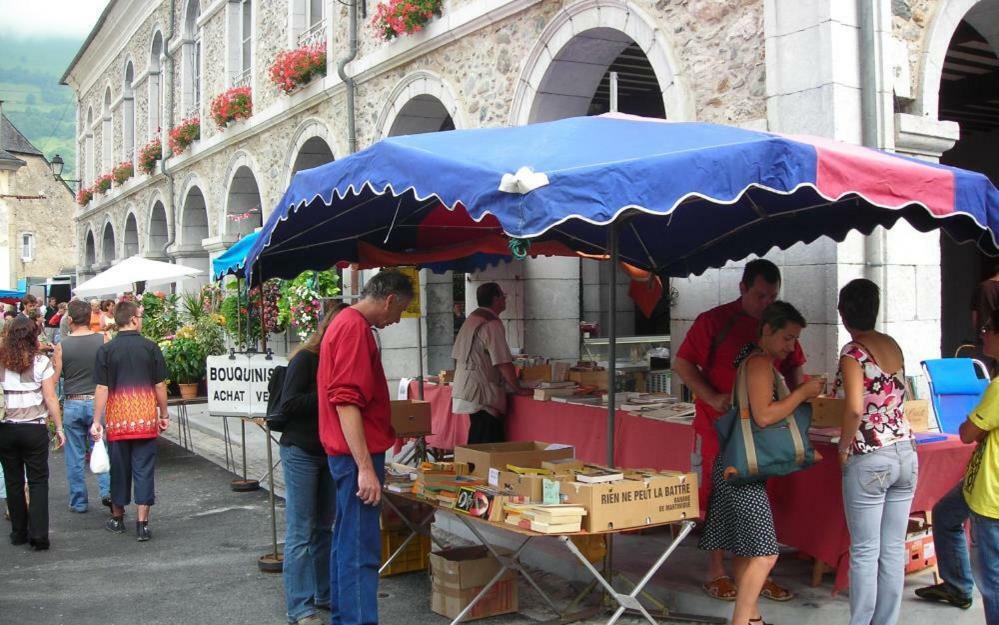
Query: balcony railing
x=315, y=34
x=243, y=78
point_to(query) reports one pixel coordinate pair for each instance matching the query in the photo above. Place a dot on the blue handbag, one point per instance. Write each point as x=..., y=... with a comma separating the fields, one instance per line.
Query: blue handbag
x=750, y=453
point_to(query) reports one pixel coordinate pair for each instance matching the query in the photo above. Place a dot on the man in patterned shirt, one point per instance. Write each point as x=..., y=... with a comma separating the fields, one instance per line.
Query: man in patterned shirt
x=130, y=404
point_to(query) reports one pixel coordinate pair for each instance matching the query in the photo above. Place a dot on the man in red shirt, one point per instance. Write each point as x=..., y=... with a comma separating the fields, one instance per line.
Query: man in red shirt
x=705, y=364
x=355, y=430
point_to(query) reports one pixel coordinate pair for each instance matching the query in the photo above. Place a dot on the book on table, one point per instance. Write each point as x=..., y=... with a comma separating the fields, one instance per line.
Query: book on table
x=598, y=475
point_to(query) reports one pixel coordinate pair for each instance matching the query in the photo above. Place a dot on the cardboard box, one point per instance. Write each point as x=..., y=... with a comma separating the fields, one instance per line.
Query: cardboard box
x=921, y=551
x=828, y=412
x=565, y=465
x=458, y=575
x=659, y=498
x=537, y=373
x=520, y=454
x=410, y=417
x=627, y=381
x=530, y=486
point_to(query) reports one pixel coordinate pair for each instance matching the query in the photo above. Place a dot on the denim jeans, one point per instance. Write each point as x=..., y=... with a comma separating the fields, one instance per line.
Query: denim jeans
x=309, y=510
x=357, y=547
x=877, y=493
x=950, y=541
x=78, y=415
x=985, y=562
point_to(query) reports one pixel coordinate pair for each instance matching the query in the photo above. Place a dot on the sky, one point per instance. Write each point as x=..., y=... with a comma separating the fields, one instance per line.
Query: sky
x=48, y=18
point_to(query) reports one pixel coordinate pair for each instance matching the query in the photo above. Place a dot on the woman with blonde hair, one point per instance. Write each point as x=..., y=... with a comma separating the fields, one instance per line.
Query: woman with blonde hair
x=310, y=498
x=28, y=381
x=96, y=316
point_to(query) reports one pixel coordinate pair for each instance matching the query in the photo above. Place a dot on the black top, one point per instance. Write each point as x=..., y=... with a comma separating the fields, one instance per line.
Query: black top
x=300, y=404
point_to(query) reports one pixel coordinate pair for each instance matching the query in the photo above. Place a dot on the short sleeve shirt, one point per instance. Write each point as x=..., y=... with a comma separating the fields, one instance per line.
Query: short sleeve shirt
x=478, y=348
x=719, y=368
x=981, y=480
x=130, y=366
x=23, y=391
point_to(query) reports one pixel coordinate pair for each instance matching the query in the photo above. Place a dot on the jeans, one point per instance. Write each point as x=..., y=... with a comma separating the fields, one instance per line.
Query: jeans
x=985, y=561
x=133, y=461
x=950, y=542
x=309, y=509
x=78, y=416
x=877, y=493
x=357, y=550
x=25, y=448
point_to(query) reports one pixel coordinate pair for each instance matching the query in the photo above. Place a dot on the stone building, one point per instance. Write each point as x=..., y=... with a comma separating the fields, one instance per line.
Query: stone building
x=37, y=232
x=915, y=76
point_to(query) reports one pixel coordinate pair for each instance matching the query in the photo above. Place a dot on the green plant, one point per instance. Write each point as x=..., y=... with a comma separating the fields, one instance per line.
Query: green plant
x=160, y=318
x=192, y=306
x=300, y=305
x=185, y=359
x=210, y=334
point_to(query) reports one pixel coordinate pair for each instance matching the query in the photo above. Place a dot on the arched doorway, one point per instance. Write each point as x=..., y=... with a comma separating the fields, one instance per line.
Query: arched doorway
x=194, y=229
x=131, y=240
x=313, y=153
x=107, y=245
x=243, y=206
x=423, y=113
x=969, y=95
x=89, y=252
x=158, y=235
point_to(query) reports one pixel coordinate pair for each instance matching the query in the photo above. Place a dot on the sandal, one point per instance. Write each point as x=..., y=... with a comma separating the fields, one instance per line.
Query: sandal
x=774, y=592
x=722, y=588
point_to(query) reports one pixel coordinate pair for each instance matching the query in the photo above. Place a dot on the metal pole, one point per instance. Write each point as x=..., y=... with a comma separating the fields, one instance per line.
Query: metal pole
x=613, y=92
x=270, y=494
x=242, y=427
x=263, y=318
x=612, y=236
x=419, y=353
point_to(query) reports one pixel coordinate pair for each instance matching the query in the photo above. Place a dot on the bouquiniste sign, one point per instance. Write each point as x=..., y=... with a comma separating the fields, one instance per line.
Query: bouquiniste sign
x=238, y=386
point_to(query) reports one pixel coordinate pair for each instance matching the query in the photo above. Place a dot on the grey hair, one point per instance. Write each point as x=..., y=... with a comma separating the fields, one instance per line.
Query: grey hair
x=387, y=283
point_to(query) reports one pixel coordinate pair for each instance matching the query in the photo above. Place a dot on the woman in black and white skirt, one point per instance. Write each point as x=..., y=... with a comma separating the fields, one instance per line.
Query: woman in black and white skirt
x=739, y=518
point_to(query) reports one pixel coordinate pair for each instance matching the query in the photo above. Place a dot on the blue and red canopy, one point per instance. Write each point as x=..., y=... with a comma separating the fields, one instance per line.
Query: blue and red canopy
x=687, y=196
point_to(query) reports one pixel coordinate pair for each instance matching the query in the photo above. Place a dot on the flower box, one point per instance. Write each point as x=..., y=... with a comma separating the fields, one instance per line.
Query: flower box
x=122, y=172
x=294, y=68
x=398, y=17
x=152, y=152
x=84, y=195
x=103, y=183
x=184, y=134
x=232, y=105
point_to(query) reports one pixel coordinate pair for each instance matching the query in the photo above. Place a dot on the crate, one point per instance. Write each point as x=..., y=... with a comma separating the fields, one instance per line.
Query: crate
x=920, y=551
x=413, y=558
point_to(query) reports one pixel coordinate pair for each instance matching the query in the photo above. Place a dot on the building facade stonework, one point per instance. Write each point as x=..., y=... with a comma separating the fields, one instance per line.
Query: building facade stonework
x=778, y=65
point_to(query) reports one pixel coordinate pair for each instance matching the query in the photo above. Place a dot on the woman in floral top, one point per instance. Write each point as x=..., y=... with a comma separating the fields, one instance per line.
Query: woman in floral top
x=878, y=457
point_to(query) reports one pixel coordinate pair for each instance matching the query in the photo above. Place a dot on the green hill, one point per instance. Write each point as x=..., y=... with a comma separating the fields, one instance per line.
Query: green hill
x=41, y=108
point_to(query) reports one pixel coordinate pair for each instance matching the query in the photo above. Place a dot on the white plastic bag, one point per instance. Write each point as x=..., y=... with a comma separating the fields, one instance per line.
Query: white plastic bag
x=99, y=460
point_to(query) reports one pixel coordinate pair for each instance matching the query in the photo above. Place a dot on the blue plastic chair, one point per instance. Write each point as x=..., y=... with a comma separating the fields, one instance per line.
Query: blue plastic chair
x=956, y=386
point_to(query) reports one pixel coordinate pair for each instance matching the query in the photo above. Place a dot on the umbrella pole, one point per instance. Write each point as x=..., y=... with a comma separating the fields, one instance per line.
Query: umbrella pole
x=612, y=237
x=263, y=318
x=419, y=354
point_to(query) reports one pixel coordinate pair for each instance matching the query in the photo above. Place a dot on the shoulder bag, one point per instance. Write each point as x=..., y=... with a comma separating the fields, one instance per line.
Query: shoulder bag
x=751, y=453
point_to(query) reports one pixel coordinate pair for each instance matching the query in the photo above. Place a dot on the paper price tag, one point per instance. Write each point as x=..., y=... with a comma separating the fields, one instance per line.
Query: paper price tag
x=493, y=477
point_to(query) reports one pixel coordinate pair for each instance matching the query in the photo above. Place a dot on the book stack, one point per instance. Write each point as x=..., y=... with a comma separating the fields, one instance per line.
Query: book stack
x=546, y=519
x=594, y=474
x=399, y=478
x=441, y=481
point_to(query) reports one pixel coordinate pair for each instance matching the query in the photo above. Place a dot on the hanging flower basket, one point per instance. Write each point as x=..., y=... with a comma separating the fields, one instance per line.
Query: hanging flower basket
x=397, y=17
x=295, y=68
x=103, y=183
x=122, y=172
x=184, y=134
x=84, y=195
x=149, y=155
x=236, y=103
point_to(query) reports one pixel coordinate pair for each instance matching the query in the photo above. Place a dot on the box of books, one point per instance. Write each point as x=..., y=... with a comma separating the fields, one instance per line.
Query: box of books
x=480, y=458
x=641, y=498
x=458, y=575
x=529, y=485
x=410, y=417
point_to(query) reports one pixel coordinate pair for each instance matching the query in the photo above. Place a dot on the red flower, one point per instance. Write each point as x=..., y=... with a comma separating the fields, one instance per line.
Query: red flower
x=184, y=134
x=149, y=155
x=236, y=103
x=84, y=195
x=293, y=68
x=395, y=17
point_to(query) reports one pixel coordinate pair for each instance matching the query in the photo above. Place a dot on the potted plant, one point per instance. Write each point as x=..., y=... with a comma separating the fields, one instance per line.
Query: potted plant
x=103, y=183
x=228, y=106
x=184, y=134
x=148, y=155
x=300, y=305
x=84, y=195
x=185, y=361
x=397, y=17
x=294, y=68
x=122, y=172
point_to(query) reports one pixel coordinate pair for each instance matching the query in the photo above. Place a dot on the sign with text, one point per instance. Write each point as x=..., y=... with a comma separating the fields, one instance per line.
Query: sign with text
x=238, y=386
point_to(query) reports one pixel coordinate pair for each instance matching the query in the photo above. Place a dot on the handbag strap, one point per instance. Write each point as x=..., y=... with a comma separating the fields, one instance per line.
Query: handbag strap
x=741, y=393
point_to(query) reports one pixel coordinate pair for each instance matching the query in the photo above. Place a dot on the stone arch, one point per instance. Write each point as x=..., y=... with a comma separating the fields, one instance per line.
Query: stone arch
x=154, y=83
x=108, y=247
x=420, y=89
x=128, y=112
x=305, y=151
x=530, y=101
x=89, y=250
x=194, y=224
x=130, y=238
x=158, y=229
x=107, y=128
x=242, y=196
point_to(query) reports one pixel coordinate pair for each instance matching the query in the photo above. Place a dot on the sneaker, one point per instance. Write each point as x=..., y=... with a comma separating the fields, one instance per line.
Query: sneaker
x=944, y=592
x=115, y=525
x=142, y=533
x=312, y=619
x=106, y=501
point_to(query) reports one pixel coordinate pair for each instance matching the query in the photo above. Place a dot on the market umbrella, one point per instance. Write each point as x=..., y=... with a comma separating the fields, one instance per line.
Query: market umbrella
x=124, y=275
x=11, y=297
x=233, y=260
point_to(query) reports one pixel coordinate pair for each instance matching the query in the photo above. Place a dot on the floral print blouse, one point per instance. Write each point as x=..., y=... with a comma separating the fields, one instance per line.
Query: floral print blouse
x=883, y=420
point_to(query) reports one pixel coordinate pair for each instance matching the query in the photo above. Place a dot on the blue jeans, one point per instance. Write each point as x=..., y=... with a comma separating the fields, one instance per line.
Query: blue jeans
x=950, y=542
x=357, y=547
x=78, y=415
x=985, y=562
x=877, y=494
x=309, y=509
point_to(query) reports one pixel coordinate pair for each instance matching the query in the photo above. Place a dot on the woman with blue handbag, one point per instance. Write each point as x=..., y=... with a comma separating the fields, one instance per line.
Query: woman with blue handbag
x=739, y=519
x=878, y=456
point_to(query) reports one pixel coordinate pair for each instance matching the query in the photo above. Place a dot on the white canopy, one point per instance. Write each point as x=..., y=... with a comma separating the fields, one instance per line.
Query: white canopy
x=124, y=275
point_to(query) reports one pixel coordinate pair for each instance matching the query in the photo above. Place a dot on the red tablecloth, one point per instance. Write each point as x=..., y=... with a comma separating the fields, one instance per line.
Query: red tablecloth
x=808, y=505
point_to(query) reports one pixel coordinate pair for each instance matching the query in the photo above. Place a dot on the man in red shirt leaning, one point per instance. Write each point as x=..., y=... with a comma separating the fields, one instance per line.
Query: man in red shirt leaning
x=705, y=364
x=355, y=430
